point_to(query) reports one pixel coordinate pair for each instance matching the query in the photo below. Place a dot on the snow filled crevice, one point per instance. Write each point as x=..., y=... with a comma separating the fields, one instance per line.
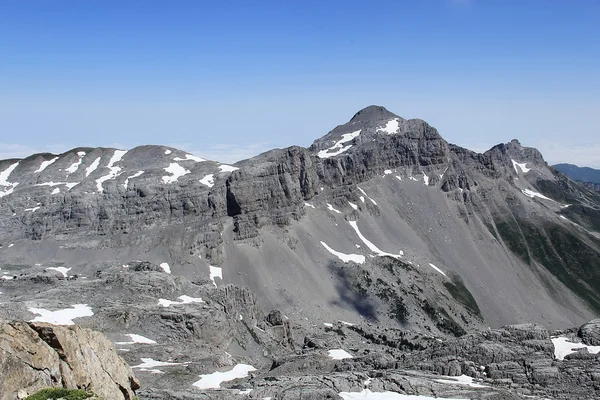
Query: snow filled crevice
x=113, y=171
x=45, y=164
x=214, y=380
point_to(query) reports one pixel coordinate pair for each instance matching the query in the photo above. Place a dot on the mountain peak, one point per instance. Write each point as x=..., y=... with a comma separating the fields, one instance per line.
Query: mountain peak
x=373, y=113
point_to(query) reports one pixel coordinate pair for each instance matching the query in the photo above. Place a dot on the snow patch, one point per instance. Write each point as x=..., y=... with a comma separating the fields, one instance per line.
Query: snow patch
x=437, y=269
x=45, y=165
x=33, y=209
x=167, y=152
x=309, y=205
x=398, y=177
x=208, y=180
x=460, y=380
x=387, y=171
x=426, y=180
x=92, y=167
x=214, y=273
x=136, y=339
x=328, y=324
x=391, y=127
x=367, y=196
x=346, y=137
x=214, y=380
x=61, y=317
x=150, y=365
x=532, y=194
x=75, y=166
x=126, y=183
x=4, y=180
x=339, y=354
x=176, y=172
x=189, y=157
x=62, y=270
x=165, y=267
x=522, y=166
x=563, y=347
x=55, y=191
x=370, y=245
x=184, y=300
x=357, y=258
x=227, y=168
x=330, y=208
x=353, y=205
x=117, y=156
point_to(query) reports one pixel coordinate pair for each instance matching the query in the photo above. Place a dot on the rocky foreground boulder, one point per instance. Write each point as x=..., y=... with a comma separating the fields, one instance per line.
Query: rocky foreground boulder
x=34, y=356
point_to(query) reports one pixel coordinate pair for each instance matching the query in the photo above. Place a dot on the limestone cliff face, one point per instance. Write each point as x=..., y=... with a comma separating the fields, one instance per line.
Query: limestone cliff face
x=34, y=356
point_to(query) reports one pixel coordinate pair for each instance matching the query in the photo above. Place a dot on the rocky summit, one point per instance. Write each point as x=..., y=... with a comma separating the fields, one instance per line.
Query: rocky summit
x=382, y=262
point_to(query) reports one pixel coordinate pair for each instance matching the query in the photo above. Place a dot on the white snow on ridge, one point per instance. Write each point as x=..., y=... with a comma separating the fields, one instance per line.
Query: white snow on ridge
x=214, y=273
x=346, y=137
x=176, y=172
x=367, y=196
x=370, y=245
x=167, y=152
x=75, y=166
x=227, y=168
x=92, y=166
x=184, y=300
x=214, y=380
x=532, y=194
x=330, y=208
x=189, y=157
x=357, y=258
x=339, y=354
x=62, y=270
x=208, y=180
x=563, y=347
x=366, y=394
x=62, y=317
x=437, y=269
x=45, y=165
x=165, y=267
x=391, y=127
x=126, y=183
x=522, y=166
x=117, y=156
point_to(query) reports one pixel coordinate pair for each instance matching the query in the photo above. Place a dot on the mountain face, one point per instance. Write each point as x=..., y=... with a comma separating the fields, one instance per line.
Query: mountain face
x=381, y=224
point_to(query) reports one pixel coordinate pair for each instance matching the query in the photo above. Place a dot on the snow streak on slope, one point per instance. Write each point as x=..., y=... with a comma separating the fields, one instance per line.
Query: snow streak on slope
x=45, y=164
x=75, y=166
x=165, y=267
x=357, y=258
x=366, y=394
x=176, y=172
x=215, y=272
x=339, y=354
x=184, y=300
x=117, y=156
x=460, y=380
x=339, y=145
x=214, y=380
x=330, y=208
x=523, y=166
x=363, y=192
x=227, y=168
x=126, y=183
x=370, y=245
x=437, y=269
x=92, y=166
x=391, y=127
x=532, y=194
x=136, y=339
x=62, y=270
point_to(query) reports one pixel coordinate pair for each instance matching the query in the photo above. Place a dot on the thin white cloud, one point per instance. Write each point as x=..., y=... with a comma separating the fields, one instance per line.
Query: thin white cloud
x=227, y=153
x=15, y=150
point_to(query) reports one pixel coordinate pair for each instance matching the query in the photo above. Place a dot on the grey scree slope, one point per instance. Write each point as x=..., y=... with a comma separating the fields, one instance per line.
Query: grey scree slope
x=429, y=237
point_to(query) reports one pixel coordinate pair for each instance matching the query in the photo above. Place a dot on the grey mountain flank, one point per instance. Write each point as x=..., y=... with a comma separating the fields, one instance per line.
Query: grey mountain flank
x=380, y=259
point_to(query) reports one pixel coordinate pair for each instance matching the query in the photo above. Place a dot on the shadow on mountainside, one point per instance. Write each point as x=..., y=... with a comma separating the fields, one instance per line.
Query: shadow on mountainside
x=351, y=285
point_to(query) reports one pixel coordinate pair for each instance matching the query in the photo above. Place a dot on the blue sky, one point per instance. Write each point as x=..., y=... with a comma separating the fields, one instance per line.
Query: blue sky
x=229, y=79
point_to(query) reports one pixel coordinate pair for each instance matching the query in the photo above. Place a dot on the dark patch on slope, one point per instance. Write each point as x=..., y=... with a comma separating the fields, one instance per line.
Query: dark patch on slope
x=461, y=294
x=572, y=261
x=351, y=285
x=585, y=216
